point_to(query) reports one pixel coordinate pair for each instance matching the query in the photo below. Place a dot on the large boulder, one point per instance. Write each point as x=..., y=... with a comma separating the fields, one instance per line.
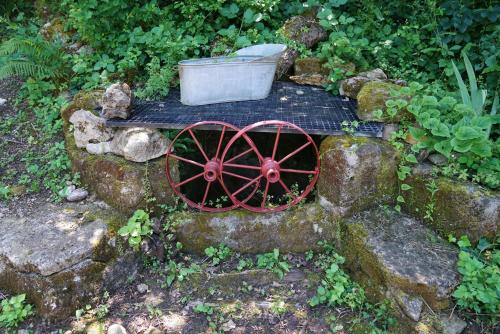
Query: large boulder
x=304, y=30
x=395, y=256
x=459, y=207
x=295, y=230
x=116, y=101
x=62, y=256
x=356, y=174
x=123, y=184
x=372, y=97
x=89, y=128
x=134, y=144
x=351, y=87
x=301, y=29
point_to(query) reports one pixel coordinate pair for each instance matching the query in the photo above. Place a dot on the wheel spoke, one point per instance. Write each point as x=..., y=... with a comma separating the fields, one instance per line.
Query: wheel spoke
x=262, y=205
x=247, y=185
x=220, y=142
x=187, y=160
x=294, y=152
x=241, y=166
x=207, y=189
x=188, y=180
x=286, y=189
x=276, y=142
x=237, y=175
x=299, y=171
x=240, y=155
x=198, y=144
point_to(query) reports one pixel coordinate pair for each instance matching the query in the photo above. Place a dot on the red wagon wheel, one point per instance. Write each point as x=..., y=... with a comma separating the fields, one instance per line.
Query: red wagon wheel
x=199, y=167
x=280, y=175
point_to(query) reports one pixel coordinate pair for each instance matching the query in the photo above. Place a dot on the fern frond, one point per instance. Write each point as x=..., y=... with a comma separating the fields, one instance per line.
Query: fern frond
x=31, y=58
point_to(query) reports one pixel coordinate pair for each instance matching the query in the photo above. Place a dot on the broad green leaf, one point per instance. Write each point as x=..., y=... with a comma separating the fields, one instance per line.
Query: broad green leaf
x=444, y=147
x=417, y=133
x=467, y=133
x=441, y=130
x=482, y=148
x=461, y=145
x=483, y=122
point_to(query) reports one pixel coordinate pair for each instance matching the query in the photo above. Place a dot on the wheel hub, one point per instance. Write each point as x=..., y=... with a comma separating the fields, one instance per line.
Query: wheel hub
x=212, y=170
x=271, y=170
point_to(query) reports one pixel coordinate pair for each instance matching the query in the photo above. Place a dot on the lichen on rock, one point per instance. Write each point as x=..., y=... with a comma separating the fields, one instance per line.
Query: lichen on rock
x=295, y=230
x=356, y=174
x=387, y=251
x=459, y=207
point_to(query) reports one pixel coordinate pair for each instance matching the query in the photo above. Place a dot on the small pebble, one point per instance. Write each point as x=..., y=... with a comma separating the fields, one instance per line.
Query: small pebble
x=2, y=101
x=228, y=326
x=116, y=329
x=142, y=288
x=299, y=92
x=77, y=195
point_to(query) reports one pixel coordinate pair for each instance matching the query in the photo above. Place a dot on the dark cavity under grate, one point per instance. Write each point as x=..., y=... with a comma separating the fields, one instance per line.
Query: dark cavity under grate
x=311, y=108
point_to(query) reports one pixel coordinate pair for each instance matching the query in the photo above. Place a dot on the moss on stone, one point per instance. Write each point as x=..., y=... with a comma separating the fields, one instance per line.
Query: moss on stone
x=295, y=230
x=373, y=96
x=363, y=242
x=460, y=208
x=356, y=173
x=117, y=181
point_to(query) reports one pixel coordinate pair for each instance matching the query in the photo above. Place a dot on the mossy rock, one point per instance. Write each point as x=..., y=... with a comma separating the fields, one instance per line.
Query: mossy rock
x=356, y=174
x=388, y=252
x=372, y=97
x=460, y=207
x=304, y=30
x=125, y=185
x=63, y=256
x=310, y=65
x=295, y=230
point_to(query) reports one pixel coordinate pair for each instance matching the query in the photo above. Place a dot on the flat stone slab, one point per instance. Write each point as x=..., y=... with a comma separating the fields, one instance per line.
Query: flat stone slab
x=61, y=256
x=392, y=253
x=52, y=241
x=295, y=230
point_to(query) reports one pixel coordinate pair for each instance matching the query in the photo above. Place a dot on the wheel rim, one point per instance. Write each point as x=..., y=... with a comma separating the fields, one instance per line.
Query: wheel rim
x=205, y=166
x=272, y=174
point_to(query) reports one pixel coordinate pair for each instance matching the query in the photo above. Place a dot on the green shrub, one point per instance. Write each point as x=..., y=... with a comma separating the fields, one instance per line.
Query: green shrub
x=479, y=266
x=14, y=311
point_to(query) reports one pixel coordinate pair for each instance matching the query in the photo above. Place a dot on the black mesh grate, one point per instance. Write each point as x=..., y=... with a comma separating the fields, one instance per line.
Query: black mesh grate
x=316, y=111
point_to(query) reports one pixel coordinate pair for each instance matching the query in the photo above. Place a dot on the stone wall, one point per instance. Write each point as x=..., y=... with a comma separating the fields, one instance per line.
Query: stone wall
x=123, y=184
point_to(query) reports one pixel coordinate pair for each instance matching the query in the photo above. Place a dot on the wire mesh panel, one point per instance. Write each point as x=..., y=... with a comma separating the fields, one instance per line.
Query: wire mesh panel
x=311, y=108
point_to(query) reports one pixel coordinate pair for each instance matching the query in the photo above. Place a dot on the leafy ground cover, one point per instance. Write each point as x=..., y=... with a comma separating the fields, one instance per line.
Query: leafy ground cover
x=51, y=49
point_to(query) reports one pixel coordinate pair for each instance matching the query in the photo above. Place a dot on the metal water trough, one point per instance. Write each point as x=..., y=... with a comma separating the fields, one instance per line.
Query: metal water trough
x=248, y=75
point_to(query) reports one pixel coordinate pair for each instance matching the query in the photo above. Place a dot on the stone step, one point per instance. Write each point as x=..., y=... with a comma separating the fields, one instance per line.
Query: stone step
x=295, y=230
x=62, y=256
x=395, y=256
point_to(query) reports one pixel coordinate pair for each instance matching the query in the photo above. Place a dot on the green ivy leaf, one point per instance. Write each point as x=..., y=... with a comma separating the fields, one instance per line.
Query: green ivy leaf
x=405, y=187
x=411, y=158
